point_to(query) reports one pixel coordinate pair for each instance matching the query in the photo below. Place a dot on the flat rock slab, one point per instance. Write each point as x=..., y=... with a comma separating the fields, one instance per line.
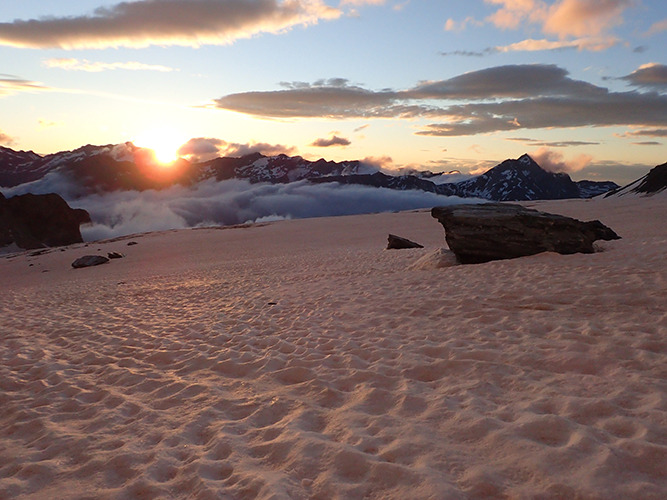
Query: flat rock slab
x=495, y=231
x=89, y=260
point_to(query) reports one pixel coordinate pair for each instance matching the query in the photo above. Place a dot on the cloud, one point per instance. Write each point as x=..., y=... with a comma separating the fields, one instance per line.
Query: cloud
x=593, y=44
x=564, y=18
x=10, y=84
x=555, y=162
x=660, y=132
x=212, y=203
x=44, y=123
x=339, y=99
x=501, y=98
x=652, y=75
x=647, y=143
x=206, y=148
x=627, y=108
x=165, y=22
x=657, y=27
x=585, y=17
x=519, y=80
x=513, y=13
x=452, y=25
x=551, y=144
x=466, y=53
x=358, y=3
x=334, y=140
x=72, y=64
x=329, y=99
x=6, y=139
x=385, y=163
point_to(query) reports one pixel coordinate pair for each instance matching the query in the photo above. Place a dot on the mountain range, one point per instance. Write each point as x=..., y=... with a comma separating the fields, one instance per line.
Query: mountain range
x=122, y=167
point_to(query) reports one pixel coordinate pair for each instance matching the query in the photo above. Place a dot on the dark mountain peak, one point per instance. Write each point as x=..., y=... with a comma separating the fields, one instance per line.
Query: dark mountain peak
x=520, y=179
x=653, y=182
x=251, y=157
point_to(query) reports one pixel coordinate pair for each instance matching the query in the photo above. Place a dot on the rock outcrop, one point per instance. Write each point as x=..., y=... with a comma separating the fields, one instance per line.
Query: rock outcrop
x=89, y=261
x=36, y=221
x=398, y=243
x=494, y=231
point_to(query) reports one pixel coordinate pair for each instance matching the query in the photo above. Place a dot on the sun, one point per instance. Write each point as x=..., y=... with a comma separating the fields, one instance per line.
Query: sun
x=164, y=142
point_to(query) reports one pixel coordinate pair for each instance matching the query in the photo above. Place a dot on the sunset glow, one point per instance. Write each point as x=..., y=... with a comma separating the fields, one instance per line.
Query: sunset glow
x=163, y=141
x=431, y=84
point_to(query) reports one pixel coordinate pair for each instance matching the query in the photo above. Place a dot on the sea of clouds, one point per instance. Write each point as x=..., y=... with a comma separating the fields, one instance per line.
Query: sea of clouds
x=223, y=203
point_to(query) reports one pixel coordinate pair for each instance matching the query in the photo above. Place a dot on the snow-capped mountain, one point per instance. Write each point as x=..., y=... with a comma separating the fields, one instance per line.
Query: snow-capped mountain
x=19, y=167
x=127, y=167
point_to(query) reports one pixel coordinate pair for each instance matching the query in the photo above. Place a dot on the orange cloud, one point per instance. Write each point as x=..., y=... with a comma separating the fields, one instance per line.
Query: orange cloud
x=6, y=139
x=578, y=18
x=657, y=27
x=513, y=13
x=96, y=67
x=584, y=17
x=531, y=45
x=555, y=162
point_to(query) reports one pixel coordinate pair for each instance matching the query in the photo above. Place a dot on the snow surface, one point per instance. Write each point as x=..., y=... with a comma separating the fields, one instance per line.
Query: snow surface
x=299, y=359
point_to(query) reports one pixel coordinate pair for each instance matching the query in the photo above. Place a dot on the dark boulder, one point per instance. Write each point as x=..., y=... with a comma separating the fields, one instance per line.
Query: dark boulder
x=494, y=231
x=36, y=221
x=89, y=260
x=397, y=243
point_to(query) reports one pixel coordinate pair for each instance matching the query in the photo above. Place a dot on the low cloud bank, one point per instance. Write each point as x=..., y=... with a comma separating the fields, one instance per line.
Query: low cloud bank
x=235, y=201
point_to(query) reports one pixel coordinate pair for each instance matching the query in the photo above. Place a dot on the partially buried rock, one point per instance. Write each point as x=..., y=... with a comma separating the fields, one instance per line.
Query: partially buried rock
x=494, y=231
x=397, y=243
x=115, y=255
x=89, y=260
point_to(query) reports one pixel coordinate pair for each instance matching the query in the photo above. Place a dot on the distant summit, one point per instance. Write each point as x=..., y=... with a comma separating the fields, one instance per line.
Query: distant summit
x=519, y=180
x=98, y=169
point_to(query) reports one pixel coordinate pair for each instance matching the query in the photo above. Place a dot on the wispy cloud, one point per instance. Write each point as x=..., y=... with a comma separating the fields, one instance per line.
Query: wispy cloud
x=334, y=140
x=452, y=25
x=647, y=143
x=10, y=84
x=44, y=123
x=656, y=132
x=594, y=44
x=72, y=64
x=165, y=22
x=6, y=139
x=501, y=98
x=551, y=144
x=657, y=27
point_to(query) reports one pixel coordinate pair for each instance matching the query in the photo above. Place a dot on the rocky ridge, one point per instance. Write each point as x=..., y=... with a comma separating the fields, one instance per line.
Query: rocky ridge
x=127, y=167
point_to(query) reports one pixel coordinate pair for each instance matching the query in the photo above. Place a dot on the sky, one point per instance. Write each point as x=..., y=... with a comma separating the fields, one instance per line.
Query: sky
x=439, y=85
